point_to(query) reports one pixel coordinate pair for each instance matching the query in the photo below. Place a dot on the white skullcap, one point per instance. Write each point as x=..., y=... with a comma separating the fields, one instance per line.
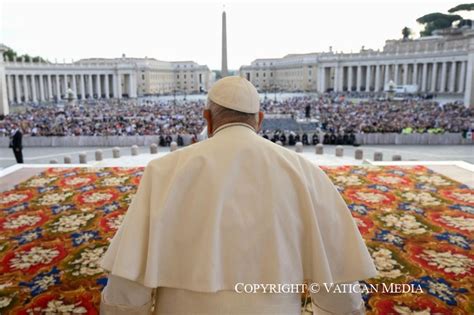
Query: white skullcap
x=235, y=93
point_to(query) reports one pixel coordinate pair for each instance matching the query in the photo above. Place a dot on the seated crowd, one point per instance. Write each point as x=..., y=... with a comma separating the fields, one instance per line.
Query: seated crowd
x=339, y=120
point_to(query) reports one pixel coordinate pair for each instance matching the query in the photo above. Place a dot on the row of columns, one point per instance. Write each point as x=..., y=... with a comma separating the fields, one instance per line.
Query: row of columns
x=434, y=77
x=48, y=87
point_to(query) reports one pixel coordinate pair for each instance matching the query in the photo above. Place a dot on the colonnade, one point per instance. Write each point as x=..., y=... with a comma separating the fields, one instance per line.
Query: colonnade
x=40, y=87
x=429, y=77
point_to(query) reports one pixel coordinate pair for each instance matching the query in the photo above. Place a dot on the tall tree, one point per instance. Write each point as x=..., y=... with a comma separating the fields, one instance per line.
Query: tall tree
x=406, y=32
x=436, y=21
x=463, y=7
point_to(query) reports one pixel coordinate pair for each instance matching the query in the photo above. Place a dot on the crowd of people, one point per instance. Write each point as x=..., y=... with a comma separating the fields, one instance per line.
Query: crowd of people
x=172, y=118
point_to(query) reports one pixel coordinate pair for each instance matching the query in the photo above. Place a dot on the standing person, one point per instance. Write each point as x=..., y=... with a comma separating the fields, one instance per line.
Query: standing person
x=16, y=143
x=234, y=209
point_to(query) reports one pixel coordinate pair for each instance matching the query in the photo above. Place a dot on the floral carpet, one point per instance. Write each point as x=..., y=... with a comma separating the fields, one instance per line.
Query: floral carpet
x=417, y=224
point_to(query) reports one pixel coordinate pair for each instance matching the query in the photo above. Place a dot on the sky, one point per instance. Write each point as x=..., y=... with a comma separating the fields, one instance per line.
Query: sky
x=183, y=30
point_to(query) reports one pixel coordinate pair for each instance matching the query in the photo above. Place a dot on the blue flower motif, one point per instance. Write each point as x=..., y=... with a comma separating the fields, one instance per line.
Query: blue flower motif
x=463, y=208
x=410, y=207
x=126, y=188
x=387, y=237
x=43, y=281
x=426, y=187
x=110, y=207
x=17, y=208
x=358, y=208
x=28, y=236
x=102, y=282
x=60, y=208
x=46, y=189
x=358, y=171
x=102, y=174
x=439, y=288
x=84, y=237
x=380, y=188
x=455, y=239
x=397, y=172
x=69, y=174
x=87, y=188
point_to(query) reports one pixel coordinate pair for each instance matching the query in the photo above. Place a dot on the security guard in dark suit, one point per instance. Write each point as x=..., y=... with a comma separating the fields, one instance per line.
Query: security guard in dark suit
x=16, y=144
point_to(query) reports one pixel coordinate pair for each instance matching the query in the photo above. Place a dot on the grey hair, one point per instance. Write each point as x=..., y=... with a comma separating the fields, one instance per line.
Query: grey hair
x=222, y=115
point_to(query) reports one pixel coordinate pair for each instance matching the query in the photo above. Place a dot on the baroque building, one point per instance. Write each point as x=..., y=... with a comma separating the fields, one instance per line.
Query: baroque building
x=441, y=64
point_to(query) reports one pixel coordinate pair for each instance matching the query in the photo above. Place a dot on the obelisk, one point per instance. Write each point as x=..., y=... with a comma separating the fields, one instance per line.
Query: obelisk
x=224, y=71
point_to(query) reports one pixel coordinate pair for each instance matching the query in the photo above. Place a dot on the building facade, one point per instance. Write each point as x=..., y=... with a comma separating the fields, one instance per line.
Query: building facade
x=442, y=64
x=97, y=78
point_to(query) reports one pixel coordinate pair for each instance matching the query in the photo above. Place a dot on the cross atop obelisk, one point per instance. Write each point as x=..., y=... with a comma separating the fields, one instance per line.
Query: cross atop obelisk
x=224, y=71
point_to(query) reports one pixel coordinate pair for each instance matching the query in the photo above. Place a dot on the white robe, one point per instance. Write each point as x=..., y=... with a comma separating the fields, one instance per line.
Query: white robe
x=236, y=208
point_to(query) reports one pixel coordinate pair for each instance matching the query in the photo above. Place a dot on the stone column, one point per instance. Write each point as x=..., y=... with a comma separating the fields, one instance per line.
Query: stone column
x=337, y=74
x=114, y=86
x=462, y=77
x=434, y=77
x=119, y=86
x=405, y=73
x=4, y=105
x=97, y=86
x=33, y=88
x=359, y=78
x=65, y=85
x=58, y=87
x=74, y=84
x=50, y=88
x=130, y=86
x=349, y=78
x=83, y=87
x=323, y=79
x=469, y=90
x=395, y=79
x=89, y=84
x=386, y=75
x=452, y=77
x=377, y=78
x=415, y=75
x=443, y=77
x=17, y=88
x=25, y=88
x=423, y=77
x=41, y=84
x=107, y=92
x=10, y=88
x=368, y=77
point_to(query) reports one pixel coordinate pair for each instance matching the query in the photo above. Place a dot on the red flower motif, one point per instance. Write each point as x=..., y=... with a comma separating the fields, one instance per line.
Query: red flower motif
x=435, y=258
x=14, y=197
x=108, y=222
x=364, y=223
x=97, y=197
x=22, y=221
x=386, y=305
x=462, y=196
x=370, y=197
x=389, y=179
x=77, y=181
x=82, y=299
x=17, y=259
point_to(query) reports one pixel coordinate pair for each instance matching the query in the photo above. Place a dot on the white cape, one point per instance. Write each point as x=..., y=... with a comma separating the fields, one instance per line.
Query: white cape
x=236, y=208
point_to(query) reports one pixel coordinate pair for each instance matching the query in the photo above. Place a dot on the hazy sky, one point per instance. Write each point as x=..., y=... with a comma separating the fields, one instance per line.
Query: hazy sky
x=184, y=30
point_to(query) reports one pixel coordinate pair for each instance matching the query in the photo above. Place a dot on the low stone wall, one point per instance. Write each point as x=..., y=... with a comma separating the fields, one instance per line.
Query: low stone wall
x=414, y=138
x=125, y=141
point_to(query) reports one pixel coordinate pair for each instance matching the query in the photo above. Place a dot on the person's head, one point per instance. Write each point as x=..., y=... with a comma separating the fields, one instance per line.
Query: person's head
x=232, y=100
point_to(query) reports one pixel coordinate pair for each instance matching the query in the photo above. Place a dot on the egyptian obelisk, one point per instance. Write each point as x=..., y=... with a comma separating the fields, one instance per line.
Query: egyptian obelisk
x=224, y=71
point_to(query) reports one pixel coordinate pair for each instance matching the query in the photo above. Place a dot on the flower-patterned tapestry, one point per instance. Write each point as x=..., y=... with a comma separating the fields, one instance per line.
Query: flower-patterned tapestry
x=417, y=224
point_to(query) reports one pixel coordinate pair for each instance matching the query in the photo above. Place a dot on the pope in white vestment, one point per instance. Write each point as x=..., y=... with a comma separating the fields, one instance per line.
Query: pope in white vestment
x=232, y=210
